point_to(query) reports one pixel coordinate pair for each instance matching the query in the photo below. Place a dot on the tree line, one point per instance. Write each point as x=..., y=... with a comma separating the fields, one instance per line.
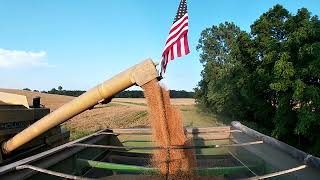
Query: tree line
x=268, y=78
x=123, y=94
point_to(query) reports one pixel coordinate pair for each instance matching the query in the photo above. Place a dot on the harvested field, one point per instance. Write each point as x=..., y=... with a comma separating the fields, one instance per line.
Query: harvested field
x=110, y=116
x=120, y=113
x=49, y=100
x=176, y=101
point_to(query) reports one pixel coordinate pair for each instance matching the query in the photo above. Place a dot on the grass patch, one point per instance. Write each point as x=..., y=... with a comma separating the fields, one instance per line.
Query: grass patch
x=193, y=117
x=76, y=134
x=111, y=104
x=187, y=107
x=141, y=114
x=127, y=102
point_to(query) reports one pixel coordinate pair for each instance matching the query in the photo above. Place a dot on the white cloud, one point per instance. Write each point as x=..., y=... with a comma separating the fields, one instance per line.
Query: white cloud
x=16, y=58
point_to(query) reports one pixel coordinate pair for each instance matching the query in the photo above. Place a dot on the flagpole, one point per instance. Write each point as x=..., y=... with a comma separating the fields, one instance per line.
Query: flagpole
x=160, y=75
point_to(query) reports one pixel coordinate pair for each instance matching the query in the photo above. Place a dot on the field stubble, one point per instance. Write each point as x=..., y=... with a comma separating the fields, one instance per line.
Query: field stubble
x=120, y=113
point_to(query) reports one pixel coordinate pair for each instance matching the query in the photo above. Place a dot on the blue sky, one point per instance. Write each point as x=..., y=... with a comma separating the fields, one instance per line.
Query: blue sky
x=79, y=43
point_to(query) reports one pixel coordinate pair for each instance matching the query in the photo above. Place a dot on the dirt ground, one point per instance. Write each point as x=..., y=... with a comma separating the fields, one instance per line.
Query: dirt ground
x=112, y=115
x=120, y=113
x=49, y=100
x=174, y=101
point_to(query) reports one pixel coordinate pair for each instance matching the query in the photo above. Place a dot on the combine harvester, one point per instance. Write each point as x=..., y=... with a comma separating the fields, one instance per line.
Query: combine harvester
x=16, y=115
x=229, y=152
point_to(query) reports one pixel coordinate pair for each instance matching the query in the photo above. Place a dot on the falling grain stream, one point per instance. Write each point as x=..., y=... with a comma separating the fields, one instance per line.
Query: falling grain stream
x=168, y=131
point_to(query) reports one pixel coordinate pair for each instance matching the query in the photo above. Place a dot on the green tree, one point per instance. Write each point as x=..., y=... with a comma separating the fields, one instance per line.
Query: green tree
x=268, y=78
x=26, y=89
x=60, y=88
x=215, y=44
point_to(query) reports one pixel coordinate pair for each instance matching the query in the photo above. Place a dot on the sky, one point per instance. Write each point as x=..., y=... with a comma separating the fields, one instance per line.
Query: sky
x=77, y=44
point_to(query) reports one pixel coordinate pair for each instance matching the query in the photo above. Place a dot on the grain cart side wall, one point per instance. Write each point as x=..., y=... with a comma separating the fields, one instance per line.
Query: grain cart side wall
x=139, y=74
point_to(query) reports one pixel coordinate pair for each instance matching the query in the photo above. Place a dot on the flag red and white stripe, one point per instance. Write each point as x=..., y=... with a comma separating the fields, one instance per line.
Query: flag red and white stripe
x=177, y=41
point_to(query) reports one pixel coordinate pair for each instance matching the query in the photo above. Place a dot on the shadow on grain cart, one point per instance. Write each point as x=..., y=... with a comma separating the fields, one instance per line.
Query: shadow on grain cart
x=228, y=152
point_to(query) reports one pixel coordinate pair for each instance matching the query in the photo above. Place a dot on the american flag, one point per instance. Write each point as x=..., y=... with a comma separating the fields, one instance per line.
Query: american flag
x=177, y=41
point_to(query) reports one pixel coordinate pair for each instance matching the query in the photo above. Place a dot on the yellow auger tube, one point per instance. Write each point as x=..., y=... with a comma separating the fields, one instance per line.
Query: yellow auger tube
x=139, y=74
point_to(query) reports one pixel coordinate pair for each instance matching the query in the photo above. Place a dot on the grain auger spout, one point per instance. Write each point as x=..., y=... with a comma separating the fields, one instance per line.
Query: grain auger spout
x=139, y=74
